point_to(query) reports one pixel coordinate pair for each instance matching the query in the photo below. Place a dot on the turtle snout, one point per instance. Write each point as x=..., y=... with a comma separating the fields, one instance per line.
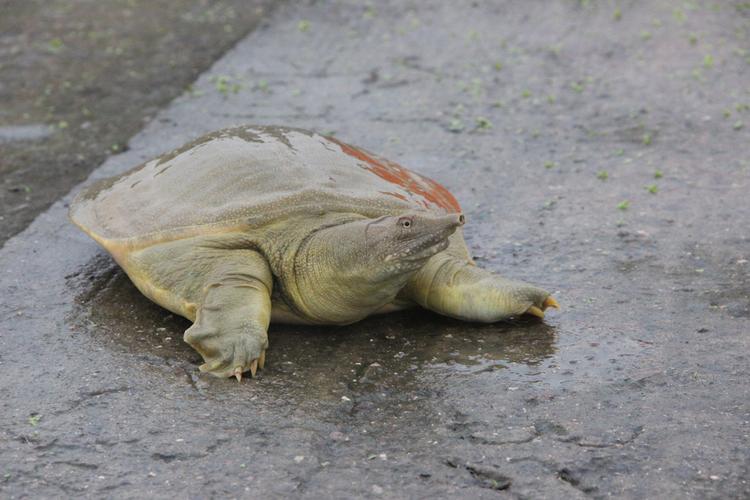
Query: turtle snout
x=452, y=221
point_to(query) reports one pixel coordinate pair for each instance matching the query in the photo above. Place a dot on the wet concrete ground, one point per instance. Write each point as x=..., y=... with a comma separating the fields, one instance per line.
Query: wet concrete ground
x=599, y=149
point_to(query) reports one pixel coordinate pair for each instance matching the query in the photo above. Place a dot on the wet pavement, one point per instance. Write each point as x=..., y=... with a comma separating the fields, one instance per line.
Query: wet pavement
x=598, y=151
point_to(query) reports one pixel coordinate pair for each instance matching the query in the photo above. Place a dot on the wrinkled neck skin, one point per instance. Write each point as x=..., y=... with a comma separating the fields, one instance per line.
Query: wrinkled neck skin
x=337, y=275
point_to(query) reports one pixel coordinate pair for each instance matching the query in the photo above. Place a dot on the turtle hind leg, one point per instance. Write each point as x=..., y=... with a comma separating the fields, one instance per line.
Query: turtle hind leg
x=225, y=292
x=455, y=287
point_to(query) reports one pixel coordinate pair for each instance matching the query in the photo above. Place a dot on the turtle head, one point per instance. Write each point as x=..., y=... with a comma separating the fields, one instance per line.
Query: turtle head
x=349, y=270
x=397, y=245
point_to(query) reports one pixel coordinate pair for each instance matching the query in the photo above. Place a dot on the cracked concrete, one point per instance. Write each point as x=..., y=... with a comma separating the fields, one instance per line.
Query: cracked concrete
x=543, y=118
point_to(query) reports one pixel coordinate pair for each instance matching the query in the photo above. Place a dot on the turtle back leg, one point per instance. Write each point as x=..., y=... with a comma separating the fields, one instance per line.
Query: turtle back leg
x=225, y=292
x=452, y=285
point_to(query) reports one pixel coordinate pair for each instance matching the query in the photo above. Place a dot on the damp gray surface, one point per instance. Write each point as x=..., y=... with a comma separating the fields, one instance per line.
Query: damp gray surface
x=600, y=152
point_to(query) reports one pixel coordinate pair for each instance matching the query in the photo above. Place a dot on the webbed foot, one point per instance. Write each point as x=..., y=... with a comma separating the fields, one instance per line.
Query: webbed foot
x=228, y=353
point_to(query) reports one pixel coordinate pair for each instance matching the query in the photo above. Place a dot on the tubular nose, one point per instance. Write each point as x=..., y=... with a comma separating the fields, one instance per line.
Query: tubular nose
x=454, y=220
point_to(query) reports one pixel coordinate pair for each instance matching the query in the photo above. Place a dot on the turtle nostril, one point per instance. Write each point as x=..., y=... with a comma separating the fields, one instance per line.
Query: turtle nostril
x=461, y=219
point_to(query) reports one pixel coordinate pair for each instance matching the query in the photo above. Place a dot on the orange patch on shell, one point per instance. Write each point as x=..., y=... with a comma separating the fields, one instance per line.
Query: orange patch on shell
x=412, y=182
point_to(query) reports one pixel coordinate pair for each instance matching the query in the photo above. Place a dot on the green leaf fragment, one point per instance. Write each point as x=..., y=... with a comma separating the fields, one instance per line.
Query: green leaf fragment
x=483, y=123
x=456, y=125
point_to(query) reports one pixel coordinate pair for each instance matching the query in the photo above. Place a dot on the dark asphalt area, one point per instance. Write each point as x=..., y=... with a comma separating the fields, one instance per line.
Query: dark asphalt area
x=599, y=149
x=79, y=78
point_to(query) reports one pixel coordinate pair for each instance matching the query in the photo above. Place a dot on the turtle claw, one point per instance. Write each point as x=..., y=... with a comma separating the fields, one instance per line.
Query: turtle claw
x=535, y=311
x=253, y=367
x=238, y=374
x=262, y=359
x=550, y=302
x=538, y=311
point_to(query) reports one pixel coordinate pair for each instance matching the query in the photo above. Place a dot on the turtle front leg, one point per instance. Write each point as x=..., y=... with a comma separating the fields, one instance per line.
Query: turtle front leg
x=455, y=287
x=230, y=329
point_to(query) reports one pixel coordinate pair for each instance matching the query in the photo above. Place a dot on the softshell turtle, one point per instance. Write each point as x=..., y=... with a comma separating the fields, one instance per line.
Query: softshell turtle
x=254, y=224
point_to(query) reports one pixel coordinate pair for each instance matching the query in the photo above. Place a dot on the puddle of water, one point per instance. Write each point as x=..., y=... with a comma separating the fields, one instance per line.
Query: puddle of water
x=382, y=350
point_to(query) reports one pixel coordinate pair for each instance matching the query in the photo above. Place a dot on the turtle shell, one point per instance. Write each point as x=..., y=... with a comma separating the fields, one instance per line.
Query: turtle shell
x=245, y=177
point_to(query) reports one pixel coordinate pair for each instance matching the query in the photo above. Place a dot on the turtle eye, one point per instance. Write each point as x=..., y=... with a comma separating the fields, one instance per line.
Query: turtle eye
x=405, y=222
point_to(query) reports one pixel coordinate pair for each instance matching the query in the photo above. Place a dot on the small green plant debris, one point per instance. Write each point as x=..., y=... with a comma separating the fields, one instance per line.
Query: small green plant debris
x=727, y=113
x=475, y=88
x=555, y=49
x=549, y=164
x=620, y=152
x=652, y=188
x=498, y=104
x=623, y=205
x=679, y=15
x=577, y=86
x=221, y=83
x=645, y=35
x=526, y=93
x=617, y=14
x=738, y=125
x=708, y=61
x=658, y=174
x=263, y=85
x=693, y=39
x=191, y=91
x=34, y=419
x=498, y=66
x=55, y=45
x=369, y=12
x=740, y=107
x=303, y=25
x=602, y=175
x=647, y=139
x=551, y=99
x=483, y=123
x=62, y=124
x=456, y=125
x=296, y=92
